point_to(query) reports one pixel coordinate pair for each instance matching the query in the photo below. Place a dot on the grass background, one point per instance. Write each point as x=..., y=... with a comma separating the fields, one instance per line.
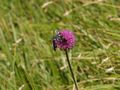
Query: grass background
x=27, y=59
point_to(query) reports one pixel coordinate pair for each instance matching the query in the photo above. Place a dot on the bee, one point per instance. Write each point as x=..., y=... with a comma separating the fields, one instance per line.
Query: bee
x=55, y=39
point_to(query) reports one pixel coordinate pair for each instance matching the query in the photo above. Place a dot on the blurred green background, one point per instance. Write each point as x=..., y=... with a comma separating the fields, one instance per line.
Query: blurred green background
x=27, y=59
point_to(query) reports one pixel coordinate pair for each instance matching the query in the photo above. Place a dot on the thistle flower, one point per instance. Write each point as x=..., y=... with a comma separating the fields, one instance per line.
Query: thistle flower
x=64, y=40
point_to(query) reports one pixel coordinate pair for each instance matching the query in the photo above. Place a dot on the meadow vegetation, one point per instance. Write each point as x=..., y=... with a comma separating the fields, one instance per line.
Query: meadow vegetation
x=27, y=58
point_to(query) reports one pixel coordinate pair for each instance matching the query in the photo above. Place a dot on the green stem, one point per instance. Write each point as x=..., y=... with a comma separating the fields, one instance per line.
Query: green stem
x=70, y=67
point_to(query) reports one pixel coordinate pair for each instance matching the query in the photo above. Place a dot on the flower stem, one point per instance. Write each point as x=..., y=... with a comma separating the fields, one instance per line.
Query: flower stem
x=70, y=67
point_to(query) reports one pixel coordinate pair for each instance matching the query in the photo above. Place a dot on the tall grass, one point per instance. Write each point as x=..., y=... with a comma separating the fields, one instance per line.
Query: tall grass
x=27, y=59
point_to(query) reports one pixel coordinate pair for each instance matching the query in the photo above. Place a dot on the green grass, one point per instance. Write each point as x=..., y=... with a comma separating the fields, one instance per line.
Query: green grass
x=27, y=59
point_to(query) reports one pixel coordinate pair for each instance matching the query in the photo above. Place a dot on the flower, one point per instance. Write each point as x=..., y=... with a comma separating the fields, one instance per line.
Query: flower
x=64, y=40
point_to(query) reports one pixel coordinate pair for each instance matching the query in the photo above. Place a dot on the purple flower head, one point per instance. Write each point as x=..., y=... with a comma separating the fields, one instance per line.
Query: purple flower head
x=64, y=39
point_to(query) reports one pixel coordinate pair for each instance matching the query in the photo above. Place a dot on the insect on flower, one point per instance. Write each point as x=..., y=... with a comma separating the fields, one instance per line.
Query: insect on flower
x=55, y=39
x=63, y=39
